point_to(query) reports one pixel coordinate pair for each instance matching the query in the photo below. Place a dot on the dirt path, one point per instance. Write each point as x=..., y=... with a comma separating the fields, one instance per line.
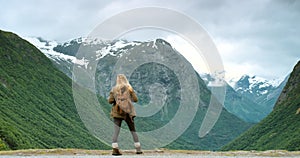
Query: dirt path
x=37, y=152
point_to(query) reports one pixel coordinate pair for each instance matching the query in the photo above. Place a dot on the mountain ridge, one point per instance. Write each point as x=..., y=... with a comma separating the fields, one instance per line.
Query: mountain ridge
x=261, y=91
x=46, y=45
x=251, y=107
x=280, y=129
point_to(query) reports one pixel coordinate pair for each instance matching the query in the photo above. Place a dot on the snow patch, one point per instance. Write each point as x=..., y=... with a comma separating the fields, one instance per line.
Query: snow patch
x=46, y=47
x=154, y=44
x=82, y=62
x=264, y=92
x=232, y=82
x=276, y=82
x=86, y=41
x=117, y=47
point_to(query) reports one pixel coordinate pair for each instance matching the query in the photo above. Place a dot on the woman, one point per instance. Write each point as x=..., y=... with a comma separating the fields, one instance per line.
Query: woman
x=121, y=96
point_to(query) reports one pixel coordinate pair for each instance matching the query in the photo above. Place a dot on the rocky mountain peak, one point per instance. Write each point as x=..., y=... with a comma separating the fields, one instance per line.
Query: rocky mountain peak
x=254, y=85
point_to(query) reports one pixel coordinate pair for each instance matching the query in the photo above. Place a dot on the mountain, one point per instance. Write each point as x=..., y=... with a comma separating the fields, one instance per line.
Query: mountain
x=63, y=56
x=254, y=85
x=250, y=98
x=261, y=92
x=107, y=55
x=242, y=107
x=280, y=129
x=64, y=62
x=36, y=101
x=238, y=104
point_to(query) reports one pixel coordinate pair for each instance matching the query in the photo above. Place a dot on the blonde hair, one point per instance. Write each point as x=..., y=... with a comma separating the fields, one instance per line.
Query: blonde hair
x=122, y=89
x=122, y=82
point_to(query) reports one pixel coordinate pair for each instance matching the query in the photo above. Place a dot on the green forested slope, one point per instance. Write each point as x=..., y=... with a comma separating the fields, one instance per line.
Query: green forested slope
x=280, y=129
x=36, y=103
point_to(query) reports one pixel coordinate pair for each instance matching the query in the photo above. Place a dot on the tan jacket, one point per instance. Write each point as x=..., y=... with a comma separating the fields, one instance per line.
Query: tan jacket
x=116, y=112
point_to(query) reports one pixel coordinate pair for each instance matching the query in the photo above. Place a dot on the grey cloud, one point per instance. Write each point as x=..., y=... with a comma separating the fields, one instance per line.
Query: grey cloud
x=269, y=29
x=59, y=20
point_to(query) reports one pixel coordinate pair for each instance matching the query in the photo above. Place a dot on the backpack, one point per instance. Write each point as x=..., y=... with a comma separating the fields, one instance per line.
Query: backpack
x=123, y=100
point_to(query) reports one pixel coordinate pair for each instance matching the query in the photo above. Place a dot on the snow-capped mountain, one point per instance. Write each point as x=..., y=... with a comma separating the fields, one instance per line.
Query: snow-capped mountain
x=47, y=47
x=67, y=51
x=64, y=56
x=261, y=91
x=251, y=98
x=257, y=96
x=238, y=104
x=254, y=85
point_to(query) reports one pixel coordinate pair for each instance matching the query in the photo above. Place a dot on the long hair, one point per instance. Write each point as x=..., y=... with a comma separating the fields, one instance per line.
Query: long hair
x=122, y=91
x=122, y=84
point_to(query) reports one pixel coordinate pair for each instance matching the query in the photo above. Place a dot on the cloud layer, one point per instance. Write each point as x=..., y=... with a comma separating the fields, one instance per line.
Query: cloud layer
x=258, y=37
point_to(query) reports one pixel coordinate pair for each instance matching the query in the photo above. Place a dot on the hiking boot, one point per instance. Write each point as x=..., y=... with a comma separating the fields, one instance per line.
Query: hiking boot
x=116, y=152
x=138, y=148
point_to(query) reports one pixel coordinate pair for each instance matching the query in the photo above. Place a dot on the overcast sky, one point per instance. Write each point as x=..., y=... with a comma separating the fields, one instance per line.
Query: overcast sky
x=256, y=37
